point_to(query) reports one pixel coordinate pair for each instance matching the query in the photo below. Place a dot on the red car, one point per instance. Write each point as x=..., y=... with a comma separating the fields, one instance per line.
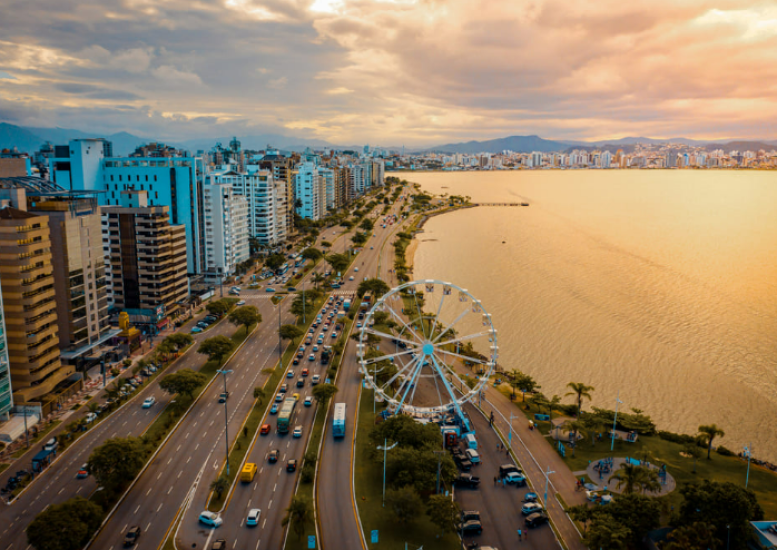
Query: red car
x=304, y=372
x=265, y=429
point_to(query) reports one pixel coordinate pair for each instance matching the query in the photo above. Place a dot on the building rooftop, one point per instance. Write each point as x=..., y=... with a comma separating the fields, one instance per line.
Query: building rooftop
x=11, y=213
x=41, y=187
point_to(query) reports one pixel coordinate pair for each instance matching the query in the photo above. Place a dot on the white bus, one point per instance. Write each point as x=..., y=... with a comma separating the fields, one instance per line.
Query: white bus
x=338, y=421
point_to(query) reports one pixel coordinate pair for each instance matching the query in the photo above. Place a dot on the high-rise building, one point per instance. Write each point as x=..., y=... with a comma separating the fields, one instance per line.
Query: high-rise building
x=79, y=272
x=266, y=201
x=6, y=395
x=282, y=169
x=310, y=193
x=226, y=229
x=147, y=260
x=29, y=305
x=328, y=176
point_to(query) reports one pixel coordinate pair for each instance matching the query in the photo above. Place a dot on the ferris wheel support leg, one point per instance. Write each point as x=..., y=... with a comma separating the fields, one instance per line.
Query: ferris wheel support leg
x=454, y=400
x=412, y=379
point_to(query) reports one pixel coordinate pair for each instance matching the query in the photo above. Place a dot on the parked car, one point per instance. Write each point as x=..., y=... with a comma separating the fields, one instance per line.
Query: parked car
x=505, y=469
x=514, y=478
x=472, y=527
x=210, y=519
x=252, y=519
x=241, y=303
x=196, y=330
x=531, y=508
x=531, y=497
x=536, y=519
x=91, y=417
x=467, y=480
x=470, y=515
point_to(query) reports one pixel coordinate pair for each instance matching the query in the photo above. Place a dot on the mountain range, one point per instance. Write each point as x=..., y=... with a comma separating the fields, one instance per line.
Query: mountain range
x=29, y=139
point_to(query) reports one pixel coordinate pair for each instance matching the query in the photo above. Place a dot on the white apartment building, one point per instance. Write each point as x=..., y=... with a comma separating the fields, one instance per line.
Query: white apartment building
x=266, y=201
x=310, y=192
x=226, y=229
x=328, y=176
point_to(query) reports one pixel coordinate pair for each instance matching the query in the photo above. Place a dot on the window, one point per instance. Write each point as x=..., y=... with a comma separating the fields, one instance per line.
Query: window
x=119, y=177
x=156, y=194
x=155, y=177
x=146, y=177
x=111, y=177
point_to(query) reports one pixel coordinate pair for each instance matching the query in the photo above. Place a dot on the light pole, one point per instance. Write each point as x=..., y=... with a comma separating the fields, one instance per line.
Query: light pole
x=439, y=465
x=547, y=473
x=385, y=447
x=226, y=416
x=303, y=300
x=748, y=452
x=614, y=420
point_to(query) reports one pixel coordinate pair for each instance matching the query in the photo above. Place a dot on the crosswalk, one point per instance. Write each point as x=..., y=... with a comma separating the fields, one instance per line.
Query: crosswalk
x=343, y=292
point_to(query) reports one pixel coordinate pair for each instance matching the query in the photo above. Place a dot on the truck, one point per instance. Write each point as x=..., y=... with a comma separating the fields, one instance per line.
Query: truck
x=248, y=472
x=347, y=304
x=467, y=480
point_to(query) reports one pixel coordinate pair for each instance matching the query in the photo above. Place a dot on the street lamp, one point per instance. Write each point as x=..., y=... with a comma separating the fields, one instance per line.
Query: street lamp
x=226, y=416
x=385, y=448
x=547, y=473
x=614, y=420
x=748, y=453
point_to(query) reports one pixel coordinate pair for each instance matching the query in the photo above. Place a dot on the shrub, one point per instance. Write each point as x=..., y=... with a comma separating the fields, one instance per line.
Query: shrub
x=676, y=438
x=721, y=450
x=308, y=473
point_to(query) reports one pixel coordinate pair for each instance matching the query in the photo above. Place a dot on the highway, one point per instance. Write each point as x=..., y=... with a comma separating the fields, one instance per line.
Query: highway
x=58, y=482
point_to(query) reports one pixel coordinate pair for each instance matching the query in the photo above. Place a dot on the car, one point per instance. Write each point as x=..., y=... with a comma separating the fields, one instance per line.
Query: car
x=269, y=289
x=358, y=325
x=350, y=278
x=334, y=335
x=295, y=361
x=290, y=374
x=203, y=325
x=505, y=469
x=279, y=398
x=531, y=508
x=297, y=431
x=515, y=478
x=315, y=380
x=536, y=519
x=223, y=397
x=91, y=417
x=315, y=348
x=472, y=527
x=372, y=247
x=196, y=330
x=252, y=519
x=305, y=372
x=530, y=497
x=291, y=465
x=300, y=382
x=265, y=429
x=355, y=269
x=295, y=396
x=311, y=357
x=234, y=292
x=272, y=457
x=292, y=289
x=467, y=480
x=308, y=401
x=325, y=327
x=470, y=515
x=132, y=536
x=149, y=402
x=284, y=388
x=83, y=473
x=274, y=408
x=241, y=303
x=210, y=519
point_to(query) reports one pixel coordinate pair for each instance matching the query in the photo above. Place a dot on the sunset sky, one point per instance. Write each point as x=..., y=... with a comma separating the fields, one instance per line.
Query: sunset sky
x=392, y=72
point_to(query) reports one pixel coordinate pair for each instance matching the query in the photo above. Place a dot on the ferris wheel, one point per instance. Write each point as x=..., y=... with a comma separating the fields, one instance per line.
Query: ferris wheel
x=418, y=340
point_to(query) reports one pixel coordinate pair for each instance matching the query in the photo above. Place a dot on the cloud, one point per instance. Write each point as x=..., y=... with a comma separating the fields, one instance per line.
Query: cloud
x=5, y=75
x=404, y=71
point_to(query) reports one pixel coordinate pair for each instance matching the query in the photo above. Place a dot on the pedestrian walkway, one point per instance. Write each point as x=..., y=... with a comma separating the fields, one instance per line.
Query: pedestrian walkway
x=600, y=471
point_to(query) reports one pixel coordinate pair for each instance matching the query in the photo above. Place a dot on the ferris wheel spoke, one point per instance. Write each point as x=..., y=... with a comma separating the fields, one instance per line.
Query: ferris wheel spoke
x=399, y=373
x=437, y=317
x=437, y=387
x=388, y=336
x=411, y=380
x=450, y=370
x=450, y=327
x=463, y=357
x=410, y=330
x=420, y=314
x=448, y=387
x=467, y=337
x=384, y=357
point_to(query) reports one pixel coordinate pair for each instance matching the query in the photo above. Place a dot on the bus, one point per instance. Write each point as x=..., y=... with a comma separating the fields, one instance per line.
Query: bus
x=286, y=415
x=338, y=421
x=300, y=262
x=366, y=301
x=282, y=270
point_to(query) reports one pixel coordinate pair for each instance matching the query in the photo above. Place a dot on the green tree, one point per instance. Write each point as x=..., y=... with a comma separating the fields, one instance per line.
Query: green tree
x=216, y=347
x=577, y=427
x=290, y=332
x=219, y=485
x=299, y=514
x=219, y=307
x=338, y=262
x=728, y=508
x=359, y=239
x=254, y=246
x=628, y=477
x=367, y=224
x=317, y=278
x=117, y=461
x=323, y=393
x=709, y=433
x=326, y=244
x=580, y=390
x=692, y=537
x=259, y=394
x=66, y=526
x=307, y=298
x=245, y=316
x=183, y=382
x=274, y=261
x=312, y=254
x=405, y=504
x=641, y=514
x=444, y=512
x=179, y=340
x=606, y=532
x=92, y=406
x=692, y=450
x=375, y=286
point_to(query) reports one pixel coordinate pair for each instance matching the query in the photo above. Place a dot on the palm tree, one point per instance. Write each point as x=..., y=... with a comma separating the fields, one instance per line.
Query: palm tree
x=93, y=407
x=317, y=278
x=594, y=425
x=629, y=476
x=514, y=374
x=259, y=394
x=709, y=433
x=691, y=450
x=552, y=402
x=580, y=390
x=648, y=480
x=219, y=485
x=577, y=427
x=298, y=513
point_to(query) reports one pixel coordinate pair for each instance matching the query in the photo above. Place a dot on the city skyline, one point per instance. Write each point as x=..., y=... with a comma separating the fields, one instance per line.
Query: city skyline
x=392, y=73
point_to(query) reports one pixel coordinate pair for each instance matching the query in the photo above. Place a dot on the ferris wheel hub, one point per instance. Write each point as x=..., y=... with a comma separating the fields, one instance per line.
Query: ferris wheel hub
x=428, y=348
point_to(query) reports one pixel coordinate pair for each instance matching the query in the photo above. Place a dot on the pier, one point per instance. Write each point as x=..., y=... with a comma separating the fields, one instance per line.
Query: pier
x=500, y=204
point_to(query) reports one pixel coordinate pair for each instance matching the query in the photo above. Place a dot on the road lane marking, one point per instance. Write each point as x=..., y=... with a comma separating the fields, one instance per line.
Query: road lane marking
x=276, y=486
x=170, y=489
x=160, y=507
x=269, y=505
x=136, y=509
x=160, y=475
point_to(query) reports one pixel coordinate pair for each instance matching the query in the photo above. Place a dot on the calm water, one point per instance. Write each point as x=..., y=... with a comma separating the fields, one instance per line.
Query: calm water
x=660, y=284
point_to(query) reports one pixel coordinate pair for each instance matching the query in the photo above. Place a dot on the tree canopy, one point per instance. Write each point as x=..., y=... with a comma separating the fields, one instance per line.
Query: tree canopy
x=290, y=332
x=312, y=254
x=444, y=512
x=299, y=514
x=184, y=382
x=375, y=286
x=245, y=316
x=66, y=526
x=338, y=262
x=405, y=504
x=216, y=347
x=116, y=461
x=323, y=393
x=274, y=261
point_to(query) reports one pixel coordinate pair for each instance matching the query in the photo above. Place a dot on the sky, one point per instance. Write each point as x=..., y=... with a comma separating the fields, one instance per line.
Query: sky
x=392, y=72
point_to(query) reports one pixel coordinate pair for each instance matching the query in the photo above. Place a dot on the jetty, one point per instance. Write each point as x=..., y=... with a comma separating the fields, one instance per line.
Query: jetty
x=500, y=204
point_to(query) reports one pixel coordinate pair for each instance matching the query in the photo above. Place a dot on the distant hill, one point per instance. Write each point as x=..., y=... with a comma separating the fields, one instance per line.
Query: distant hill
x=29, y=140
x=521, y=144
x=14, y=136
x=258, y=143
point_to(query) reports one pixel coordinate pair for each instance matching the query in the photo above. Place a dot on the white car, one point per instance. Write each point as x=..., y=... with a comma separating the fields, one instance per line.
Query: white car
x=350, y=278
x=253, y=517
x=241, y=303
x=210, y=519
x=91, y=417
x=297, y=431
x=316, y=379
x=149, y=402
x=356, y=269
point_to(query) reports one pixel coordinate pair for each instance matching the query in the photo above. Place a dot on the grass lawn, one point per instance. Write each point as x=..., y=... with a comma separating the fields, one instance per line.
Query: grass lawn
x=721, y=468
x=369, y=492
